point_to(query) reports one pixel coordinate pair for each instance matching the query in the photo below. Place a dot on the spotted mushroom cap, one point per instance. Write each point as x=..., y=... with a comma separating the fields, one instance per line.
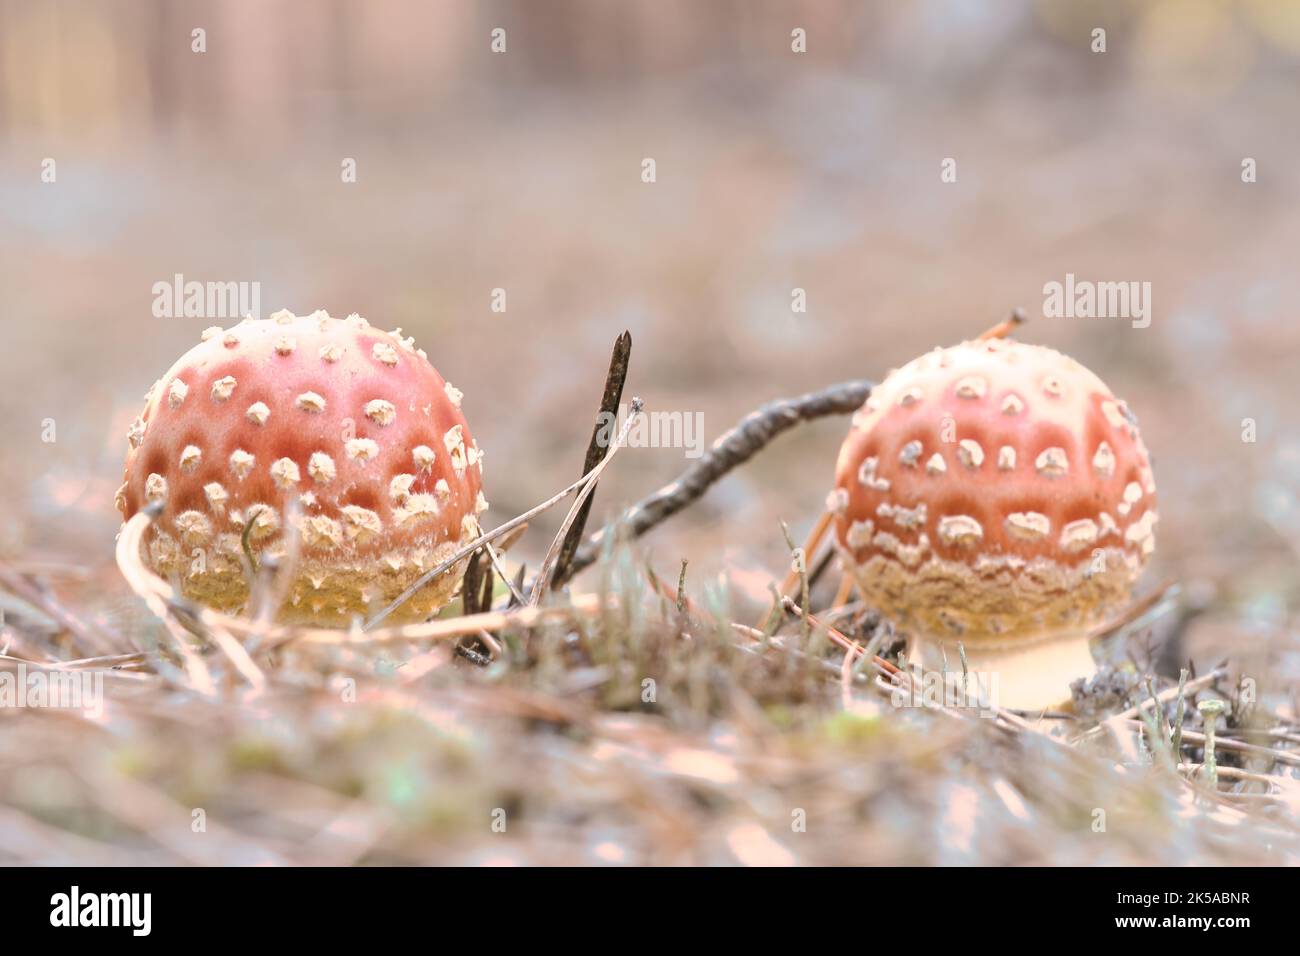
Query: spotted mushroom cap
x=994, y=491
x=327, y=426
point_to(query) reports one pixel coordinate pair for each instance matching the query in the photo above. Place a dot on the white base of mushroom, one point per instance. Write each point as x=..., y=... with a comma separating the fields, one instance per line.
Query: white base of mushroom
x=1031, y=677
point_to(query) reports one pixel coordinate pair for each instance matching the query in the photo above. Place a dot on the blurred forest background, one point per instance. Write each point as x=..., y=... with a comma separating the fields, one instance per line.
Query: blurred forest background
x=775, y=170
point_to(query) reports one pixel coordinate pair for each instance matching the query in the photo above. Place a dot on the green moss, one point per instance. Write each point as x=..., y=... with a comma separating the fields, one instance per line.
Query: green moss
x=849, y=728
x=132, y=761
x=254, y=753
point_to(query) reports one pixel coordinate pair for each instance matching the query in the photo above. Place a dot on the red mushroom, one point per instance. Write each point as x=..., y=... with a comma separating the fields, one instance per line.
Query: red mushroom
x=343, y=431
x=998, y=495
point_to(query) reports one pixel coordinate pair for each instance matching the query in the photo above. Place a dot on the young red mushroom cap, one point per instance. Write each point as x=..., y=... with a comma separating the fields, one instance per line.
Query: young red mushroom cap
x=996, y=494
x=326, y=427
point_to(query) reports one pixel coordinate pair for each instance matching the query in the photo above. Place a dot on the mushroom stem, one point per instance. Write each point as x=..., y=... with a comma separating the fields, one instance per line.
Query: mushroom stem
x=1033, y=677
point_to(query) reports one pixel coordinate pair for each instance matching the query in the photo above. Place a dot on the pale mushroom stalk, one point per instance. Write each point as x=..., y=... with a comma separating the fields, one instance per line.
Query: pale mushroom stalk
x=1026, y=677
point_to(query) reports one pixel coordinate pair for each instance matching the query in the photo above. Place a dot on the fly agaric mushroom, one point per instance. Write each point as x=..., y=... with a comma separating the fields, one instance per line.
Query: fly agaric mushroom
x=998, y=495
x=327, y=427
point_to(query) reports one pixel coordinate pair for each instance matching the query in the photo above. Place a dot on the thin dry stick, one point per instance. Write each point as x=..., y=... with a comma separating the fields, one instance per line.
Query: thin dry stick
x=501, y=573
x=133, y=674
x=799, y=566
x=195, y=669
x=837, y=636
x=227, y=644
x=608, y=412
x=46, y=602
x=766, y=642
x=683, y=601
x=1233, y=773
x=128, y=560
x=1231, y=743
x=847, y=673
x=733, y=448
x=1006, y=326
x=1180, y=711
x=493, y=645
x=476, y=596
x=470, y=592
x=11, y=640
x=584, y=493
x=109, y=662
x=584, y=605
x=1277, y=733
x=489, y=584
x=809, y=548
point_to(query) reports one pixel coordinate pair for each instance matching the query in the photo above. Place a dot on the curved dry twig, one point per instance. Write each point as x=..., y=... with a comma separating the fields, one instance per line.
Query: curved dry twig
x=749, y=436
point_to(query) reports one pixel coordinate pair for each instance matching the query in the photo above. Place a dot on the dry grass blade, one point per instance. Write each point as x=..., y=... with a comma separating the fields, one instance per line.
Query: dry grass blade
x=810, y=546
x=584, y=492
x=527, y=616
x=109, y=662
x=200, y=678
x=515, y=593
x=1229, y=743
x=239, y=657
x=87, y=638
